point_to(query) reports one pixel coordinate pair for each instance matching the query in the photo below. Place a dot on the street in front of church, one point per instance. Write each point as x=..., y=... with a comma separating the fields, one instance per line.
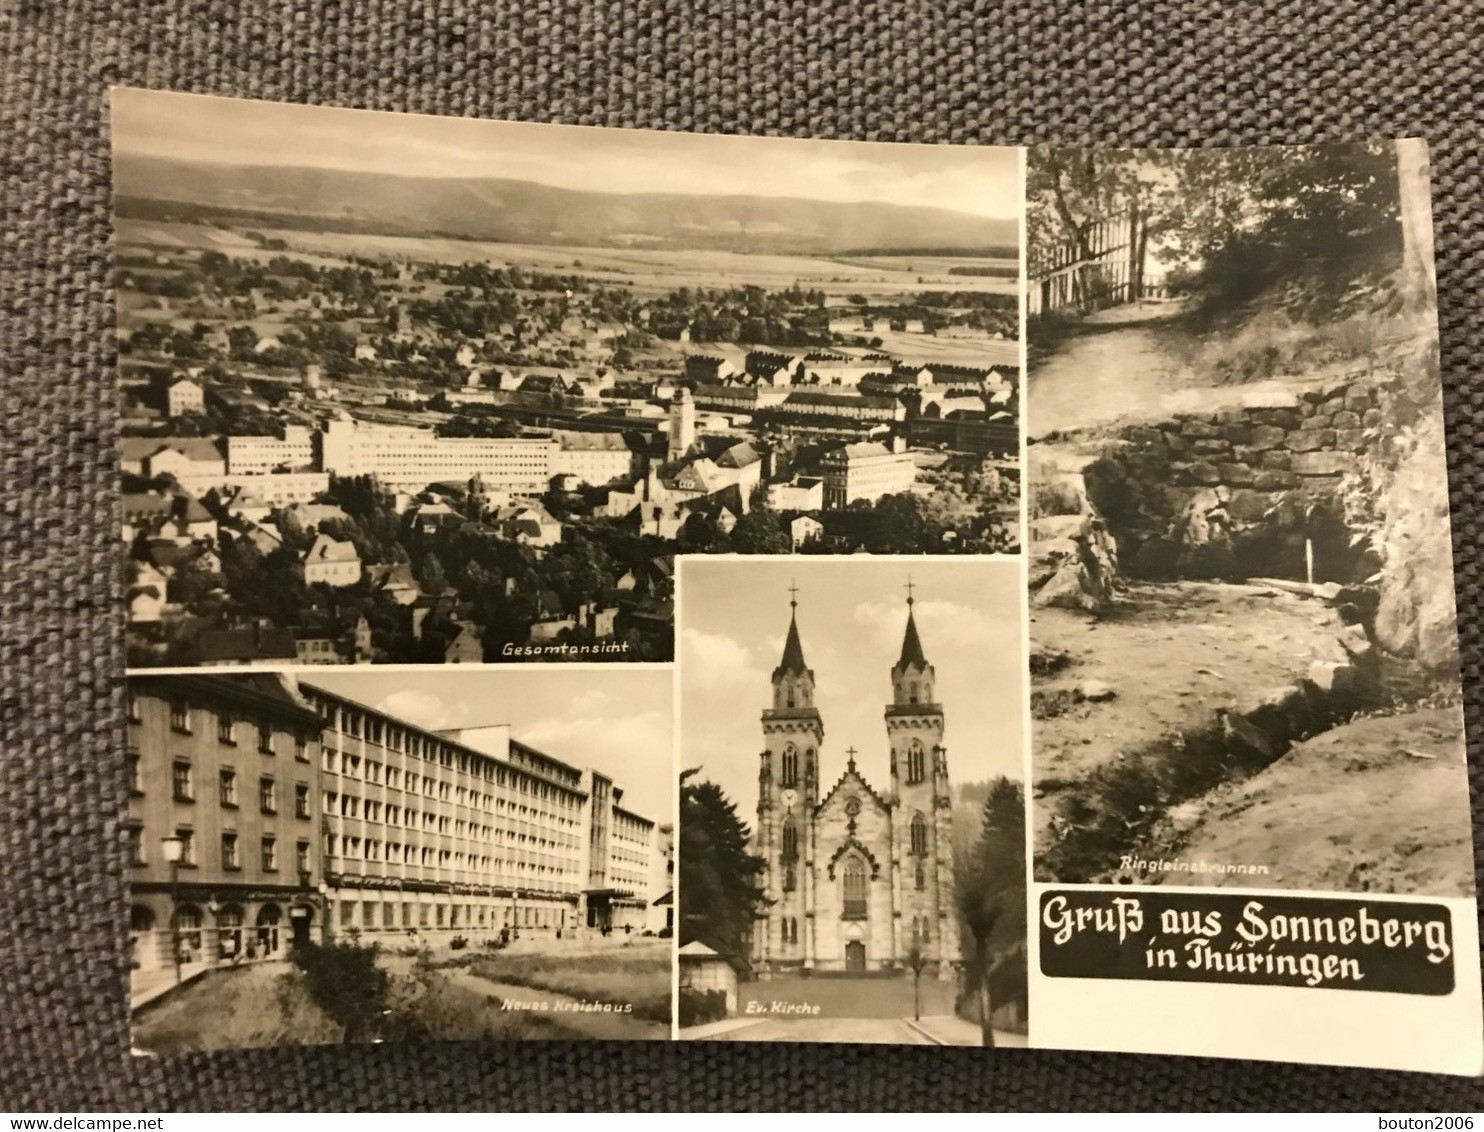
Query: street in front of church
x=868, y=892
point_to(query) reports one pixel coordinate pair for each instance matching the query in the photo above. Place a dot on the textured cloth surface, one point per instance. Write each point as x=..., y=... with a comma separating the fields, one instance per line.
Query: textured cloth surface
x=1180, y=73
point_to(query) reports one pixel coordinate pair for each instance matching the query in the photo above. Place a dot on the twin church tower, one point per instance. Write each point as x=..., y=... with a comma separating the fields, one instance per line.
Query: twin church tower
x=856, y=878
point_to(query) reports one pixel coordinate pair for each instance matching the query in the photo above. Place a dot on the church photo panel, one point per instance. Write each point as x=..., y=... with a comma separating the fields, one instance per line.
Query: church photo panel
x=851, y=850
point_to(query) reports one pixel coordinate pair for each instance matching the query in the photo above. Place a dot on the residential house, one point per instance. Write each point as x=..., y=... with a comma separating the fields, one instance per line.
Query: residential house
x=400, y=585
x=804, y=529
x=529, y=524
x=311, y=516
x=143, y=511
x=146, y=596
x=764, y=367
x=802, y=493
x=255, y=644
x=185, y=457
x=331, y=562
x=705, y=369
x=182, y=397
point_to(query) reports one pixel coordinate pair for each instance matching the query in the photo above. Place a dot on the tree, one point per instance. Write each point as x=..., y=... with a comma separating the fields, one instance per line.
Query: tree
x=720, y=881
x=916, y=961
x=990, y=883
x=761, y=531
x=345, y=982
x=1236, y=220
x=430, y=575
x=907, y=524
x=241, y=343
x=701, y=535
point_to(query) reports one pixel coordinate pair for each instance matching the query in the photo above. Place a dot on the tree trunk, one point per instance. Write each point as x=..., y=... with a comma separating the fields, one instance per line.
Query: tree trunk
x=986, y=1006
x=1419, y=284
x=1076, y=235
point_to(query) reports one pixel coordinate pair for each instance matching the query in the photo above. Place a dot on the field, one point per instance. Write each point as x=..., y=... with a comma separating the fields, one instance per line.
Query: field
x=647, y=271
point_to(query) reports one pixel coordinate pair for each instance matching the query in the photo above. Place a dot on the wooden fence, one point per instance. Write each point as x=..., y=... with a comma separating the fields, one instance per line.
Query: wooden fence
x=1102, y=268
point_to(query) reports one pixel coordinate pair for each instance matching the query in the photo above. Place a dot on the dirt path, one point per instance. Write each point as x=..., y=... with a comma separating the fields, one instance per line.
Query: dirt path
x=1121, y=362
x=1170, y=654
x=556, y=1008
x=1395, y=815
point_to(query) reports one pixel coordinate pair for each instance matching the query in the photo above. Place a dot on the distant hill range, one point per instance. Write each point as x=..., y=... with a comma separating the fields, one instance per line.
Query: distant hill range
x=523, y=212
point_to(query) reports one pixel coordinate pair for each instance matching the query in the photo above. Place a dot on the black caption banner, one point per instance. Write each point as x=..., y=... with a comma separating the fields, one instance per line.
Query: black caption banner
x=1300, y=941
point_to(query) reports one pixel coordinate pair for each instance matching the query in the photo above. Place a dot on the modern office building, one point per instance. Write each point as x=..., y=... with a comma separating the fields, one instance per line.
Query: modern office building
x=470, y=832
x=409, y=458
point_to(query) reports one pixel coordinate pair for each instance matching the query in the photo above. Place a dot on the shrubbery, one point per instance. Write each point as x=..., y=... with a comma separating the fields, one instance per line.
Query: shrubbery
x=344, y=981
x=700, y=1006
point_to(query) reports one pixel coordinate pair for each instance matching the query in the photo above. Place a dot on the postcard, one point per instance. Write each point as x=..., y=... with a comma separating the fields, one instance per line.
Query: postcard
x=591, y=583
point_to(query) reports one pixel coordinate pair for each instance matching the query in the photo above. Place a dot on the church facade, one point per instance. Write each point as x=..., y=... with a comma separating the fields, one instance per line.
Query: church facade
x=856, y=876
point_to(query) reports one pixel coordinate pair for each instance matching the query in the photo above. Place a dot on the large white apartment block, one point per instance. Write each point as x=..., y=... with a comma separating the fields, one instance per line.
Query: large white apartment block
x=409, y=458
x=406, y=458
x=470, y=832
x=260, y=455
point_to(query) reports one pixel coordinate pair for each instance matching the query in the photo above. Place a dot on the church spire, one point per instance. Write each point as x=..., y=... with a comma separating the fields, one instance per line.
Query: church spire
x=793, y=650
x=911, y=644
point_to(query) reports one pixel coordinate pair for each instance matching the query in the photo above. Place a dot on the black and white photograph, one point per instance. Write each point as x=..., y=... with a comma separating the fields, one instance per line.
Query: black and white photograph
x=1245, y=664
x=869, y=886
x=394, y=855
x=405, y=389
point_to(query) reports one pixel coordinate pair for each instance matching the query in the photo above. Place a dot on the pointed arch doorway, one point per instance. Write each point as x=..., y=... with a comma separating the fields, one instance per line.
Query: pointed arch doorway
x=855, y=955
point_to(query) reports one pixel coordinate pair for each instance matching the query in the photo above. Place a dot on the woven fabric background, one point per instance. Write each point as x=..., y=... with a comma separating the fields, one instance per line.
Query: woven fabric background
x=1181, y=73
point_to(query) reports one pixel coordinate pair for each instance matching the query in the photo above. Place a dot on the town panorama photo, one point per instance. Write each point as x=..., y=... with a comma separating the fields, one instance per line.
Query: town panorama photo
x=398, y=389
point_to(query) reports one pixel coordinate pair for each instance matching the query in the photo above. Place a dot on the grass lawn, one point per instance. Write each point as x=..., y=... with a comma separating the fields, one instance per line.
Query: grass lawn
x=636, y=972
x=232, y=1008
x=266, y=1005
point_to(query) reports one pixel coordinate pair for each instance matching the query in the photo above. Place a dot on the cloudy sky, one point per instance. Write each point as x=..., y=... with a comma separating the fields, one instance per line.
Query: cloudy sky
x=981, y=180
x=617, y=719
x=851, y=618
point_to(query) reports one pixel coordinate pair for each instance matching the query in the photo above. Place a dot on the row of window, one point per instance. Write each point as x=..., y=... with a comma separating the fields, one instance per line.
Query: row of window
x=226, y=727
x=392, y=852
x=183, y=788
x=369, y=770
x=350, y=806
x=788, y=773
x=853, y=885
x=791, y=882
x=364, y=914
x=918, y=838
x=231, y=858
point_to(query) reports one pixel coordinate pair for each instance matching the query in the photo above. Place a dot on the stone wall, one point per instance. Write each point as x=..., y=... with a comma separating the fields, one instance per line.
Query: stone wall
x=1238, y=492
